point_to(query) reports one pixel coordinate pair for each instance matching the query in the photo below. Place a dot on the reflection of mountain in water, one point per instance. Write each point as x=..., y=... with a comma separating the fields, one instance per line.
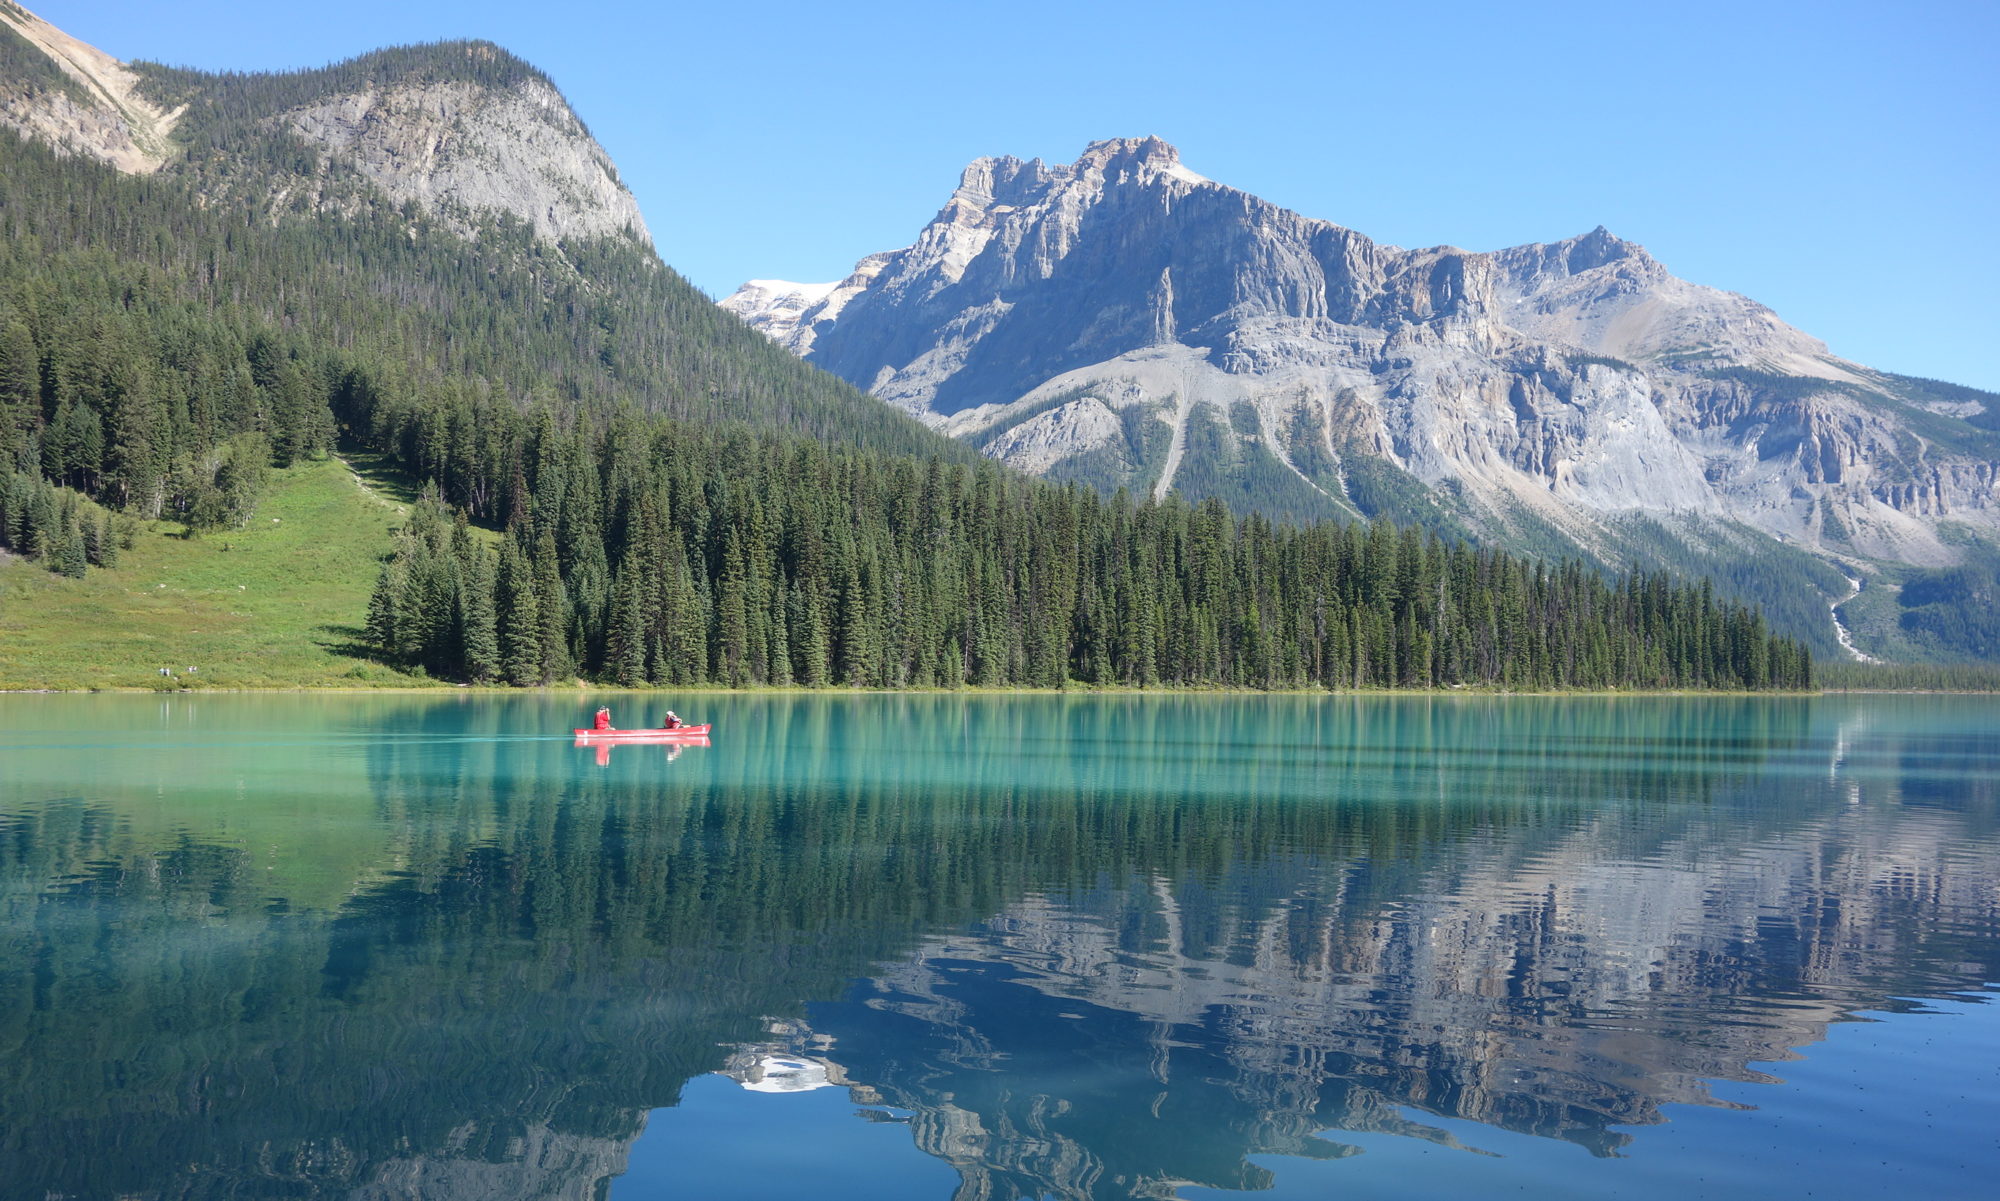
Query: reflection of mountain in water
x=1161, y=1032
x=1548, y=917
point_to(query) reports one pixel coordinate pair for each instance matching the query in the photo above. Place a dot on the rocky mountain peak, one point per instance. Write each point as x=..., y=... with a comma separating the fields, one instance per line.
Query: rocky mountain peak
x=460, y=147
x=1121, y=320
x=1596, y=248
x=1002, y=184
x=1540, y=263
x=1132, y=160
x=1132, y=153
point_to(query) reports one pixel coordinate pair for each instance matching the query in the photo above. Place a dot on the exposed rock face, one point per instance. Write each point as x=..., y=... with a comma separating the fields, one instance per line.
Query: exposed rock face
x=461, y=148
x=92, y=108
x=1561, y=386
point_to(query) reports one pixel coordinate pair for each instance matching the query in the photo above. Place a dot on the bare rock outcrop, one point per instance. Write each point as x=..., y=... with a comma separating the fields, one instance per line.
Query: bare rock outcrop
x=464, y=131
x=1558, y=388
x=460, y=149
x=80, y=100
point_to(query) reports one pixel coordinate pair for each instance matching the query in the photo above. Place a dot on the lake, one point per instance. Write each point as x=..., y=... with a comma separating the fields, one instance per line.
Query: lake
x=1000, y=947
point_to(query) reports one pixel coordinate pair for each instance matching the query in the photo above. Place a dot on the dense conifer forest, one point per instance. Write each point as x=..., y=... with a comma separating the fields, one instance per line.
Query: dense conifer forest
x=677, y=556
x=679, y=501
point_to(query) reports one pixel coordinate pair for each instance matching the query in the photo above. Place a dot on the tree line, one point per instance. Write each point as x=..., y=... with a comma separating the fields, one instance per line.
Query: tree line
x=648, y=552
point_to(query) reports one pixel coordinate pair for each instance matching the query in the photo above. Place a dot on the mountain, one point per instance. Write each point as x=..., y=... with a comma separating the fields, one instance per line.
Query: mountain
x=1124, y=321
x=462, y=130
x=438, y=210
x=495, y=136
x=364, y=257
x=76, y=97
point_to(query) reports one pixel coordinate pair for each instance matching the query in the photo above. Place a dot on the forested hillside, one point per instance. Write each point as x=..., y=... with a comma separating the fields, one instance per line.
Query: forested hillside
x=674, y=555
x=264, y=322
x=681, y=501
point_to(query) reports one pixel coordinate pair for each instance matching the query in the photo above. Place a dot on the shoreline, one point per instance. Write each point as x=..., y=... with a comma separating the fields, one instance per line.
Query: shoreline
x=588, y=690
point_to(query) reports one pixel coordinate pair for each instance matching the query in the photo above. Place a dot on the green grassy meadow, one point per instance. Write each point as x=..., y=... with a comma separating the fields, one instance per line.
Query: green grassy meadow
x=276, y=604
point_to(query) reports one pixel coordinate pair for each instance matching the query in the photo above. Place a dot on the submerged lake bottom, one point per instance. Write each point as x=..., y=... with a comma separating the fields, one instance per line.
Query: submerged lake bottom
x=992, y=948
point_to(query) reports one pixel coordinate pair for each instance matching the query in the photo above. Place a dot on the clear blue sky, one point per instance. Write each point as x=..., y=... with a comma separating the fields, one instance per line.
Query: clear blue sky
x=1838, y=161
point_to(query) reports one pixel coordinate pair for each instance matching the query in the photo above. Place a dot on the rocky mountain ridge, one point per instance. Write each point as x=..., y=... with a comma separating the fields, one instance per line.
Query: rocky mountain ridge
x=463, y=130
x=1125, y=321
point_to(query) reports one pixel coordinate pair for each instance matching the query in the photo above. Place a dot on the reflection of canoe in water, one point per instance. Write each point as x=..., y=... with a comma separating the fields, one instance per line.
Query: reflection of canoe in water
x=677, y=734
x=675, y=741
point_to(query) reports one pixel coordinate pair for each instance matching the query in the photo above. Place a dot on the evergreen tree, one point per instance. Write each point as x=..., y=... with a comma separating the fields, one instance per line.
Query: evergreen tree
x=20, y=392
x=552, y=610
x=627, y=649
x=385, y=606
x=482, y=659
x=518, y=617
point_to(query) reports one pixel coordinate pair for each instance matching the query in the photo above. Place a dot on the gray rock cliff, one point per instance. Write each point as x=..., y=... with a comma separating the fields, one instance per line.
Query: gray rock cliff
x=1125, y=321
x=461, y=149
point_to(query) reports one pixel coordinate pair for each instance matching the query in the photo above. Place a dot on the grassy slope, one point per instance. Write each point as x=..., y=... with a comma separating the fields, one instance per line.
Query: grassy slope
x=274, y=605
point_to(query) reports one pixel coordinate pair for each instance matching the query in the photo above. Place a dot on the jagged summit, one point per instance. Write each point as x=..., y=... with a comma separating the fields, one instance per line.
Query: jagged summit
x=1122, y=320
x=1574, y=256
x=1006, y=180
x=1149, y=148
x=1139, y=155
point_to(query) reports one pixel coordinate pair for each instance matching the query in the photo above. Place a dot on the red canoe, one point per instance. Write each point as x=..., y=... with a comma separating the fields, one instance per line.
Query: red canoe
x=700, y=731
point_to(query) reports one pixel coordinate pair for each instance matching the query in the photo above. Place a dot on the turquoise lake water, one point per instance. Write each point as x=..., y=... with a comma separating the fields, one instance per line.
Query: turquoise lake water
x=998, y=948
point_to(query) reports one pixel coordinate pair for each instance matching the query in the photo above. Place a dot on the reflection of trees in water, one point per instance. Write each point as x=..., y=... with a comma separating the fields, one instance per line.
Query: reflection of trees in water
x=1562, y=996
x=544, y=949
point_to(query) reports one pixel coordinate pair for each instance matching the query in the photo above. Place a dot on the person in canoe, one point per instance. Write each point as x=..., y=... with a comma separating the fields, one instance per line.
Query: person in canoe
x=674, y=721
x=602, y=721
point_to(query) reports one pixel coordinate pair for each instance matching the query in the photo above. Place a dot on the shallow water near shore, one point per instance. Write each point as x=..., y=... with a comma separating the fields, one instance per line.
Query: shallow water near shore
x=1000, y=947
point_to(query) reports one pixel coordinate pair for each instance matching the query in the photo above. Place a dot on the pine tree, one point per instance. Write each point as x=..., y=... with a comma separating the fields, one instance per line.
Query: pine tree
x=99, y=546
x=626, y=649
x=778, y=672
x=814, y=649
x=482, y=661
x=518, y=616
x=552, y=610
x=731, y=650
x=385, y=605
x=20, y=392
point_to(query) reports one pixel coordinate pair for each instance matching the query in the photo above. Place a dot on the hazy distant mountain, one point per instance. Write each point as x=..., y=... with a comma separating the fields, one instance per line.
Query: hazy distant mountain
x=1124, y=321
